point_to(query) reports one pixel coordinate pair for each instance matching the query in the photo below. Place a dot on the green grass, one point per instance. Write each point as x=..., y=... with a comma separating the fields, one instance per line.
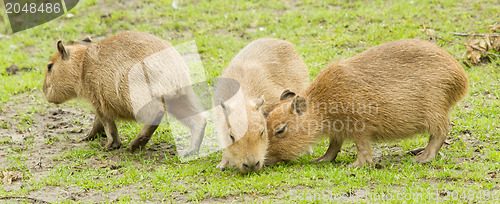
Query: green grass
x=322, y=32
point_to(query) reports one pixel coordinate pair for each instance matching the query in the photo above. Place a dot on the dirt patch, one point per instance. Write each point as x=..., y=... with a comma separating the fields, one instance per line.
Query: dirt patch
x=34, y=135
x=30, y=132
x=14, y=69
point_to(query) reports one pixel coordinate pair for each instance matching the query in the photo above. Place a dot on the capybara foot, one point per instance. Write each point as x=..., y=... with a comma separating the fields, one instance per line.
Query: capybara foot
x=360, y=162
x=424, y=156
x=93, y=137
x=136, y=146
x=320, y=159
x=113, y=145
x=327, y=157
x=138, y=143
x=188, y=152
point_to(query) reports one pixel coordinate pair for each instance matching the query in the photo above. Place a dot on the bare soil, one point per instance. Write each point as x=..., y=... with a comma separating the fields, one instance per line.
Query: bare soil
x=53, y=131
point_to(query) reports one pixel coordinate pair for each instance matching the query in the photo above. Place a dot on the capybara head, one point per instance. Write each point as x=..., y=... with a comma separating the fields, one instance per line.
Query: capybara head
x=62, y=73
x=248, y=149
x=288, y=120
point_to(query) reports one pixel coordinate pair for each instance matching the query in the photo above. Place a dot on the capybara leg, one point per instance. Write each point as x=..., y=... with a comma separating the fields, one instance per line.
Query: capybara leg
x=436, y=140
x=189, y=112
x=197, y=125
x=143, y=137
x=97, y=128
x=365, y=156
x=224, y=163
x=332, y=152
x=112, y=134
x=146, y=132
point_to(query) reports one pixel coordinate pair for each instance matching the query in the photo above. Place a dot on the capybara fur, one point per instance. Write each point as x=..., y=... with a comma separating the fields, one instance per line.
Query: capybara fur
x=131, y=75
x=391, y=91
x=259, y=72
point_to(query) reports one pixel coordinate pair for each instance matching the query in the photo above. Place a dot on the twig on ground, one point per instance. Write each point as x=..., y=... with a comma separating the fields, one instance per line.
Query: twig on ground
x=23, y=198
x=478, y=34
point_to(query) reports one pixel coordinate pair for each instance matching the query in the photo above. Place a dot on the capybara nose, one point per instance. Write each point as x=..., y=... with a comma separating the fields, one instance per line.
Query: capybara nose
x=255, y=166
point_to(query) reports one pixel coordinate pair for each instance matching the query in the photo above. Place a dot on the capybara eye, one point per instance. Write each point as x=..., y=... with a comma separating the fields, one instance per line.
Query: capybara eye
x=49, y=66
x=232, y=137
x=261, y=133
x=281, y=131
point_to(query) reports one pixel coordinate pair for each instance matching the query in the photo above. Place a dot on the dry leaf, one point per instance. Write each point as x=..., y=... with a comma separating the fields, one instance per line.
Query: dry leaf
x=474, y=55
x=473, y=42
x=483, y=45
x=494, y=28
x=477, y=49
x=496, y=44
x=9, y=176
x=487, y=39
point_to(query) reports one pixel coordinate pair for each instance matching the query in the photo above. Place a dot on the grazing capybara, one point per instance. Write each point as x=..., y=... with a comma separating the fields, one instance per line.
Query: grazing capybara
x=391, y=91
x=131, y=75
x=260, y=71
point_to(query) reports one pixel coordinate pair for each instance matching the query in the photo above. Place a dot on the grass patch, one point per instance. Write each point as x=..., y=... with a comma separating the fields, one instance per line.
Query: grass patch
x=322, y=32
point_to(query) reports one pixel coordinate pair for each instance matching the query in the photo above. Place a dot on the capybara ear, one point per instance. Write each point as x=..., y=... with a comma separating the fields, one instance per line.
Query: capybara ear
x=86, y=40
x=286, y=95
x=299, y=105
x=259, y=102
x=62, y=50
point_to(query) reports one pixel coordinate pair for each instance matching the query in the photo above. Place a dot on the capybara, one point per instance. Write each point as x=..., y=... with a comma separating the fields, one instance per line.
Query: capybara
x=131, y=75
x=260, y=71
x=391, y=91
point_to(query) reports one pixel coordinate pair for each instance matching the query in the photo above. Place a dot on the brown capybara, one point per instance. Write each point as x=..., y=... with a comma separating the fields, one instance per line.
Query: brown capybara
x=391, y=91
x=260, y=71
x=131, y=75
